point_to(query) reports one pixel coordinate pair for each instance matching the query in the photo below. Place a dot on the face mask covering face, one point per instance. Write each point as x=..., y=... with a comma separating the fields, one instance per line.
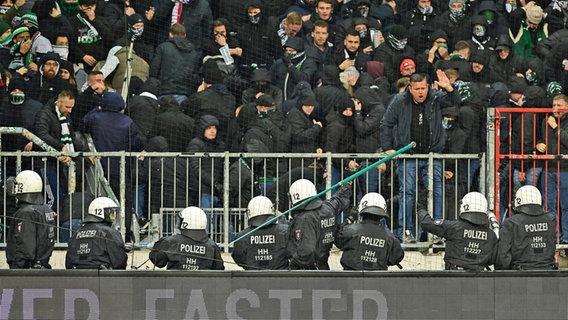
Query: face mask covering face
x=426, y=10
x=395, y=43
x=255, y=19
x=479, y=31
x=363, y=11
x=510, y=7
x=17, y=98
x=362, y=33
x=448, y=123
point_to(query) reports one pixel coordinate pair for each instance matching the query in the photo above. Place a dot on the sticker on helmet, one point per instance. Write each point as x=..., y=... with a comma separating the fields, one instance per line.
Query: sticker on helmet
x=298, y=234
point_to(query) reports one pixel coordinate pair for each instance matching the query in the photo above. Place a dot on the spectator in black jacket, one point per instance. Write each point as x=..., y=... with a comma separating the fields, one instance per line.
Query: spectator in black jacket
x=175, y=63
x=144, y=108
x=174, y=125
x=306, y=130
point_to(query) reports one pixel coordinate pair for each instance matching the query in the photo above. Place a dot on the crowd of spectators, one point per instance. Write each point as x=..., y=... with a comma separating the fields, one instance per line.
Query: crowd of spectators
x=282, y=76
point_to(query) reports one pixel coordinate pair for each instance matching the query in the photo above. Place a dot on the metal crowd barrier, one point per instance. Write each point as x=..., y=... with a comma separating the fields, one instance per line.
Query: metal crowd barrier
x=161, y=192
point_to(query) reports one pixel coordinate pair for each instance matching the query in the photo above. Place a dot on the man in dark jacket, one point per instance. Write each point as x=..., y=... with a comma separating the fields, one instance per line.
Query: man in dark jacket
x=190, y=250
x=504, y=62
x=351, y=53
x=389, y=51
x=527, y=240
x=293, y=67
x=213, y=98
x=306, y=130
x=194, y=15
x=369, y=111
x=262, y=84
x=143, y=108
x=47, y=84
x=207, y=175
x=416, y=115
x=97, y=245
x=32, y=229
x=330, y=95
x=265, y=249
x=366, y=244
x=470, y=243
x=54, y=126
x=113, y=131
x=175, y=63
x=172, y=124
x=312, y=227
x=259, y=42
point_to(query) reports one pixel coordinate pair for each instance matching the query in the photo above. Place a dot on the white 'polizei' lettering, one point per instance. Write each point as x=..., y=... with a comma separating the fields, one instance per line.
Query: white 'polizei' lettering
x=536, y=227
x=374, y=242
x=191, y=248
x=86, y=234
x=263, y=239
x=475, y=234
x=327, y=223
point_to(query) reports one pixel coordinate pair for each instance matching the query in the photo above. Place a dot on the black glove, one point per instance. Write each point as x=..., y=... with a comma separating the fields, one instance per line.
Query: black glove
x=353, y=215
x=218, y=187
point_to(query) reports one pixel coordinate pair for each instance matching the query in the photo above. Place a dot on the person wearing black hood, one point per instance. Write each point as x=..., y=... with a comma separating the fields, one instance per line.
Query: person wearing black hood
x=117, y=61
x=175, y=63
x=339, y=138
x=261, y=84
x=496, y=23
x=504, y=62
x=480, y=37
x=330, y=94
x=419, y=23
x=270, y=253
x=293, y=67
x=47, y=84
x=369, y=111
x=143, y=108
x=114, y=131
x=173, y=124
x=192, y=249
x=207, y=175
x=556, y=65
x=389, y=51
x=222, y=42
x=212, y=97
x=455, y=21
x=439, y=50
x=259, y=42
x=18, y=110
x=93, y=34
x=306, y=130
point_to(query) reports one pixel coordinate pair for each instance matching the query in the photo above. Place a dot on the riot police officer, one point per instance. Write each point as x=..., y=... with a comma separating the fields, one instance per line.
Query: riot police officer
x=265, y=249
x=527, y=239
x=312, y=227
x=97, y=245
x=470, y=243
x=32, y=228
x=190, y=250
x=366, y=244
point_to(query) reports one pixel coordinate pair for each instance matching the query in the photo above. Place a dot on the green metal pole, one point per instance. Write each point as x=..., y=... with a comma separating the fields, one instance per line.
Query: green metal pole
x=340, y=183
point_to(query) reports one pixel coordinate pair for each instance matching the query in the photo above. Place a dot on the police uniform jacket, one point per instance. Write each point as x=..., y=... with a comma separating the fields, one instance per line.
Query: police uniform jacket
x=368, y=246
x=265, y=249
x=312, y=232
x=96, y=246
x=31, y=237
x=468, y=246
x=527, y=242
x=181, y=252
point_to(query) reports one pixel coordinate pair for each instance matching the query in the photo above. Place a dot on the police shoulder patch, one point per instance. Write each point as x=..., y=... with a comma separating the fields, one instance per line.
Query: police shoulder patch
x=438, y=221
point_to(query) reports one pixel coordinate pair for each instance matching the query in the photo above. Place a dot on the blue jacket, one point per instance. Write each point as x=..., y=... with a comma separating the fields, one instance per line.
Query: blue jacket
x=397, y=121
x=112, y=131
